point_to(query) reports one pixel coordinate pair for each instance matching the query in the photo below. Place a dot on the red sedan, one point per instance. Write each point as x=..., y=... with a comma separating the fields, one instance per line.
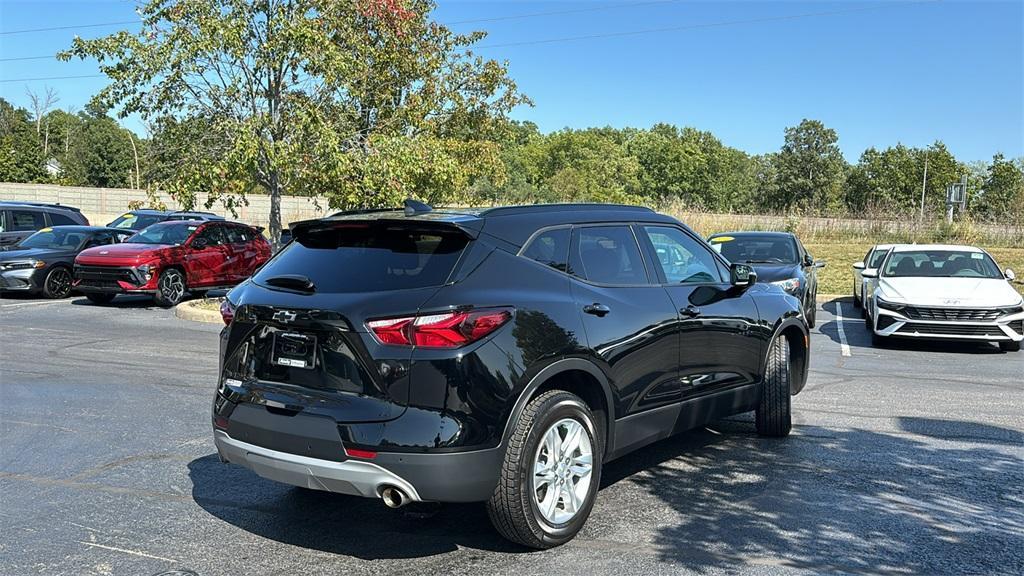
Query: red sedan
x=171, y=259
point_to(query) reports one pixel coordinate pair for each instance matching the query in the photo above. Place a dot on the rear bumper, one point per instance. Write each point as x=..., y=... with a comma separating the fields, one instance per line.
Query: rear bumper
x=424, y=477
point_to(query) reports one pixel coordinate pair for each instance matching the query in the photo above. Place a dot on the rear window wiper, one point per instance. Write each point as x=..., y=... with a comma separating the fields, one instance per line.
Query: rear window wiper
x=296, y=282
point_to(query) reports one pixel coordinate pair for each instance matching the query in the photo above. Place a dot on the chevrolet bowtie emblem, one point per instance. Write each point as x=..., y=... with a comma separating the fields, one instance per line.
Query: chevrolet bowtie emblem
x=285, y=316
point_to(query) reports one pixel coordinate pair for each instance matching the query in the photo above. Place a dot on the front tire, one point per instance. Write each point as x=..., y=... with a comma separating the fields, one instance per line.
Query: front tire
x=550, y=474
x=57, y=283
x=170, y=288
x=812, y=316
x=773, y=416
x=856, y=299
x=1009, y=346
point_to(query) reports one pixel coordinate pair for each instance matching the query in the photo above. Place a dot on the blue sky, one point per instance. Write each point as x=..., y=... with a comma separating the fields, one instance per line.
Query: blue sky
x=877, y=72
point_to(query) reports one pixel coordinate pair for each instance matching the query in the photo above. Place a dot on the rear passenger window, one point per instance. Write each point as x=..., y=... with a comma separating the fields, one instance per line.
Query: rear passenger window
x=61, y=220
x=23, y=220
x=607, y=255
x=234, y=235
x=550, y=248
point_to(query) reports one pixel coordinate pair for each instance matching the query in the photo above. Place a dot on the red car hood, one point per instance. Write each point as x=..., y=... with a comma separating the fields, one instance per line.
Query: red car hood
x=128, y=254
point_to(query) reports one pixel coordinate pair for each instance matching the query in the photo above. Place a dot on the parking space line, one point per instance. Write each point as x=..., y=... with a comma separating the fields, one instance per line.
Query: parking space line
x=126, y=551
x=32, y=303
x=842, y=333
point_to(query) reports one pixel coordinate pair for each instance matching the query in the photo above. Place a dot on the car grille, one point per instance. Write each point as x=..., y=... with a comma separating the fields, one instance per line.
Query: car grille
x=104, y=276
x=950, y=329
x=1017, y=326
x=954, y=314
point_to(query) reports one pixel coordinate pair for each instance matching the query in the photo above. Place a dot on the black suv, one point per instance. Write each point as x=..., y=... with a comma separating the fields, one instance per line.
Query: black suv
x=19, y=220
x=139, y=219
x=500, y=355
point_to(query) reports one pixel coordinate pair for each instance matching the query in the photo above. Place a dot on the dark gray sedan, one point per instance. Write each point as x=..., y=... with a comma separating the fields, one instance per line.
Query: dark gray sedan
x=42, y=263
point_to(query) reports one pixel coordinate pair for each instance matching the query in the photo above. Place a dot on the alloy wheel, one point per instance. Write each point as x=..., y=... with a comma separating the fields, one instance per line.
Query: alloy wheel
x=561, y=471
x=58, y=284
x=172, y=286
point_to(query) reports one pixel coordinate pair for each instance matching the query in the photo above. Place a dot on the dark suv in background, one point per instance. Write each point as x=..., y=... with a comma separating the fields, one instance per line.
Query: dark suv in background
x=19, y=220
x=139, y=219
x=499, y=355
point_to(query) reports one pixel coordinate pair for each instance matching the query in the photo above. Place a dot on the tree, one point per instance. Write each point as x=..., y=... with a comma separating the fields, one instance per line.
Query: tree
x=1002, y=193
x=346, y=99
x=100, y=152
x=41, y=104
x=810, y=168
x=891, y=179
x=21, y=156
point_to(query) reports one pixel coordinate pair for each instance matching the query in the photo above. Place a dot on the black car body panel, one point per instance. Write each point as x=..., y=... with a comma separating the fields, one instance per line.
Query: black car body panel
x=16, y=275
x=651, y=359
x=19, y=220
x=139, y=219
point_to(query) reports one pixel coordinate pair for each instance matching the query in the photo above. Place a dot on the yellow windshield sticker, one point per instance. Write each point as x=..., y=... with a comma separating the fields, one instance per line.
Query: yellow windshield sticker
x=128, y=216
x=722, y=239
x=46, y=229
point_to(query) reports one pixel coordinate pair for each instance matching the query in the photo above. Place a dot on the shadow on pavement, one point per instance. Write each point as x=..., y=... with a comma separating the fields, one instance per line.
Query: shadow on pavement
x=858, y=335
x=899, y=505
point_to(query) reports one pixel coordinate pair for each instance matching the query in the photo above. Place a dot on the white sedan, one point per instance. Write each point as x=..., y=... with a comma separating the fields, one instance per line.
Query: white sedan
x=944, y=292
x=870, y=265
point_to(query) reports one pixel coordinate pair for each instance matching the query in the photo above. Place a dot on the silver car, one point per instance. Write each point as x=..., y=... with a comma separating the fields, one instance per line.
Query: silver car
x=863, y=286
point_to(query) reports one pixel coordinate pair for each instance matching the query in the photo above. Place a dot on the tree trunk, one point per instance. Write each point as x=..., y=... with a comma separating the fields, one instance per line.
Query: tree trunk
x=275, y=210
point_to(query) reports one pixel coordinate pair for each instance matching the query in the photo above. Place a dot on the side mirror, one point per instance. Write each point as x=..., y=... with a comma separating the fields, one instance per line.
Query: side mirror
x=1010, y=275
x=819, y=263
x=858, y=265
x=741, y=275
x=199, y=243
x=808, y=261
x=869, y=274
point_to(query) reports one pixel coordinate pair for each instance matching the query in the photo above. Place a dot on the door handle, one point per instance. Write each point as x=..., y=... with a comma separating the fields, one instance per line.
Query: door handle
x=690, y=311
x=596, y=309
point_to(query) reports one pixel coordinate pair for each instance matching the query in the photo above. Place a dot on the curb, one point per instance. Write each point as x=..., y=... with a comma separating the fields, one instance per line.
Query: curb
x=190, y=310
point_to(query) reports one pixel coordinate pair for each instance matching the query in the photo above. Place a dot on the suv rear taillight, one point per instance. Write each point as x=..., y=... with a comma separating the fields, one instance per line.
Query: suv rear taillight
x=442, y=330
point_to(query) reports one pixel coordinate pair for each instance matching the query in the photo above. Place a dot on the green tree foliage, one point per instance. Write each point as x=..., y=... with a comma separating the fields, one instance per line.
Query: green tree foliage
x=1002, y=192
x=99, y=154
x=891, y=179
x=365, y=101
x=810, y=169
x=21, y=155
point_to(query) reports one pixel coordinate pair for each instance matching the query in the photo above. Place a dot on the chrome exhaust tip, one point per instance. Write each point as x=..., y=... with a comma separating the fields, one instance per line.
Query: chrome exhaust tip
x=393, y=497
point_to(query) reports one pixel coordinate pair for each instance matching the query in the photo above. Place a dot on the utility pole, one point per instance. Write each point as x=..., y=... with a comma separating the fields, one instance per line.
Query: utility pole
x=924, y=184
x=138, y=177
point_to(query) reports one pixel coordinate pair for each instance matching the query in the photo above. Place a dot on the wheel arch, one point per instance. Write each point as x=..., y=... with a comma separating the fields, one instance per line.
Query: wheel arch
x=580, y=377
x=798, y=337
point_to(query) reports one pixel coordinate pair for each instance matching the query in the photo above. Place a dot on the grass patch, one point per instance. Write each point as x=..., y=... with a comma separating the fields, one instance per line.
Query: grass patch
x=837, y=276
x=207, y=304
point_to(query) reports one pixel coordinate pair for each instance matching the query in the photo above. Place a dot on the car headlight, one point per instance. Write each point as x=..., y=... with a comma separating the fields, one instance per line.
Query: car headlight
x=23, y=265
x=147, y=270
x=789, y=284
x=889, y=305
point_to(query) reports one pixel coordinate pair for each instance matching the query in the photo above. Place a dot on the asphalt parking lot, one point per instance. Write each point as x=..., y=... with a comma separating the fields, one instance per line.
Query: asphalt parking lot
x=907, y=459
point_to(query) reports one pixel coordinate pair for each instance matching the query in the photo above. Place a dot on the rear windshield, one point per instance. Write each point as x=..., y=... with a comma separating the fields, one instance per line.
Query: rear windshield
x=135, y=221
x=369, y=257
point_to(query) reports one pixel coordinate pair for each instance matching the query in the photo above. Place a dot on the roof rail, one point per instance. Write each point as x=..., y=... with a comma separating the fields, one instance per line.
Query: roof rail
x=43, y=204
x=560, y=207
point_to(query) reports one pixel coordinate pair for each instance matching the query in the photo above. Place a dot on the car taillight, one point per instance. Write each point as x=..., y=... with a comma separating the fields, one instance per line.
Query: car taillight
x=227, y=311
x=443, y=330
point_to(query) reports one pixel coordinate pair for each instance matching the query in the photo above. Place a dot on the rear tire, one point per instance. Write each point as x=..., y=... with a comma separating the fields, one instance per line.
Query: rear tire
x=170, y=288
x=57, y=283
x=515, y=508
x=100, y=298
x=773, y=416
x=1009, y=346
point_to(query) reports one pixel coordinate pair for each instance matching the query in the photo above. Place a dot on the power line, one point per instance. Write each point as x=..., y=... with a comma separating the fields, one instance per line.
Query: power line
x=27, y=58
x=50, y=78
x=97, y=25
x=559, y=12
x=699, y=26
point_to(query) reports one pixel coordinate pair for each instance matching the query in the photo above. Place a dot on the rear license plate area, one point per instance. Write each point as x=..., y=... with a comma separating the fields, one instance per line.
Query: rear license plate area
x=294, y=349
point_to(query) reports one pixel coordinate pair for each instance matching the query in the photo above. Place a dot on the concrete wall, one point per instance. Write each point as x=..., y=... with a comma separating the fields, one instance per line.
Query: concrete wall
x=101, y=205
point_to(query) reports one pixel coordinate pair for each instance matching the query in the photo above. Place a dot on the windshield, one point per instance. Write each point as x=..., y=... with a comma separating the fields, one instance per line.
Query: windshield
x=756, y=249
x=941, y=264
x=135, y=221
x=374, y=257
x=164, y=233
x=876, y=257
x=55, y=238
